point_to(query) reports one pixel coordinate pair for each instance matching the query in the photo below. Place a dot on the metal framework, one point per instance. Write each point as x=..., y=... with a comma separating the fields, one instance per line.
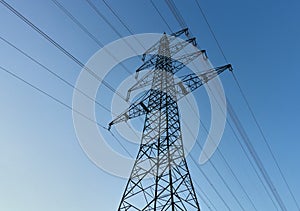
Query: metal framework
x=160, y=178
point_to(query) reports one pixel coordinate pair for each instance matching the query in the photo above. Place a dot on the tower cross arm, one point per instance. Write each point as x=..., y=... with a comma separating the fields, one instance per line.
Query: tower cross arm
x=145, y=81
x=191, y=82
x=174, y=49
x=180, y=62
x=177, y=64
x=136, y=109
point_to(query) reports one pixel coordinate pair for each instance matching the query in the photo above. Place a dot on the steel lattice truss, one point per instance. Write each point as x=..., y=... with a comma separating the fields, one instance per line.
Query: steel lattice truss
x=160, y=178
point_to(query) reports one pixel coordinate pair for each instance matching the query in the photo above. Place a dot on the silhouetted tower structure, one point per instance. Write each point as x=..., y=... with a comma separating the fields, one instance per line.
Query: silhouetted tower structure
x=160, y=178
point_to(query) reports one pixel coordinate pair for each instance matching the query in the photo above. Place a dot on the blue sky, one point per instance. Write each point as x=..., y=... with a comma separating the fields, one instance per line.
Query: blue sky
x=42, y=164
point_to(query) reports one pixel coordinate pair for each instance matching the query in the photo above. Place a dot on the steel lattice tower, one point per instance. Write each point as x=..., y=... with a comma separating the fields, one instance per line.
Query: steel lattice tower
x=160, y=178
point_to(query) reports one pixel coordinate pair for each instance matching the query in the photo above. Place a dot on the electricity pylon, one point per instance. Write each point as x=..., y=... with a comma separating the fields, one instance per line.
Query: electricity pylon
x=160, y=178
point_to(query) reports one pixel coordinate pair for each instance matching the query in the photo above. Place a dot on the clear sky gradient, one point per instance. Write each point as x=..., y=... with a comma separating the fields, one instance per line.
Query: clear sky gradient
x=42, y=166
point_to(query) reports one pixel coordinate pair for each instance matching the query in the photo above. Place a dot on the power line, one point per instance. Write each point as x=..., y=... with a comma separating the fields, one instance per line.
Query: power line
x=265, y=140
x=69, y=84
x=52, y=72
x=211, y=31
x=222, y=156
x=122, y=22
x=204, y=194
x=50, y=96
x=63, y=104
x=256, y=158
x=176, y=13
x=117, y=16
x=98, y=42
x=214, y=167
x=248, y=105
x=81, y=26
x=252, y=151
x=241, y=145
x=124, y=148
x=209, y=181
x=248, y=145
x=59, y=47
x=86, y=31
x=204, y=200
x=93, y=6
x=161, y=16
x=63, y=80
